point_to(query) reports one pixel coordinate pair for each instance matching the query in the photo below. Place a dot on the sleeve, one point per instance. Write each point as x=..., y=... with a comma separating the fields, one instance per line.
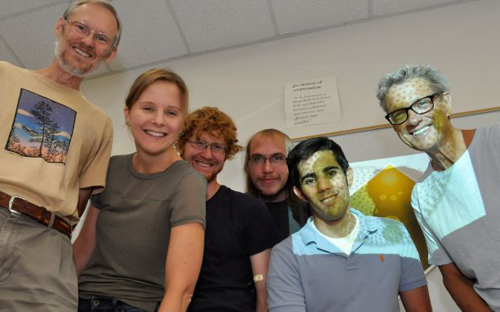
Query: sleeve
x=96, y=166
x=284, y=287
x=261, y=233
x=97, y=198
x=412, y=274
x=188, y=202
x=437, y=253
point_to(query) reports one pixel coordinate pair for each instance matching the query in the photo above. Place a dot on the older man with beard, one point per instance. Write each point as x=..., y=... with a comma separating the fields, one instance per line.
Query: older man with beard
x=240, y=231
x=56, y=147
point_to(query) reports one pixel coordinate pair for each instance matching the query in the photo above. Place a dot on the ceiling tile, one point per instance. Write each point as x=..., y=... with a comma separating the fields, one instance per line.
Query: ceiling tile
x=386, y=7
x=149, y=34
x=212, y=24
x=8, y=7
x=6, y=55
x=301, y=15
x=31, y=36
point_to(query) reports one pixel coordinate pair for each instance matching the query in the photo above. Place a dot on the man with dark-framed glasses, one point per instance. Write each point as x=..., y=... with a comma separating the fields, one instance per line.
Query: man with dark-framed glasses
x=266, y=177
x=456, y=201
x=55, y=148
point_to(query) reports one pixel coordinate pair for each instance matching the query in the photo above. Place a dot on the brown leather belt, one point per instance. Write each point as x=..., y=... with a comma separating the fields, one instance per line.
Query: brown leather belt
x=18, y=205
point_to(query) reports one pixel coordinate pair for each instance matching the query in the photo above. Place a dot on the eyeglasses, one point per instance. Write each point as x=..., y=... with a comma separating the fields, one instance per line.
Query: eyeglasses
x=420, y=107
x=275, y=159
x=83, y=30
x=202, y=145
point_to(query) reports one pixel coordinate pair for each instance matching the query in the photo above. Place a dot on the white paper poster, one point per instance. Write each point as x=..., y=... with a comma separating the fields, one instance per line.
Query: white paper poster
x=312, y=102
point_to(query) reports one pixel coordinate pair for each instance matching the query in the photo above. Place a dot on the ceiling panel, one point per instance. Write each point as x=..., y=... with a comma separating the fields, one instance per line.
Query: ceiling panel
x=149, y=35
x=301, y=15
x=6, y=55
x=155, y=31
x=31, y=36
x=8, y=7
x=385, y=7
x=213, y=24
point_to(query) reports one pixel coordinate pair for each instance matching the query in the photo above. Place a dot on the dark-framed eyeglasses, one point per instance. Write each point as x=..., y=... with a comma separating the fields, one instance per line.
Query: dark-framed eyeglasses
x=275, y=159
x=202, y=145
x=82, y=30
x=420, y=107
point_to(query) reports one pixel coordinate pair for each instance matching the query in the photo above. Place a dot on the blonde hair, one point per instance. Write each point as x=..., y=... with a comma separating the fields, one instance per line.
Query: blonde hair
x=146, y=79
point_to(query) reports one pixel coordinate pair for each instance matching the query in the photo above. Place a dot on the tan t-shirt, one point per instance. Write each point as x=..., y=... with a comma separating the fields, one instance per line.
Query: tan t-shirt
x=53, y=141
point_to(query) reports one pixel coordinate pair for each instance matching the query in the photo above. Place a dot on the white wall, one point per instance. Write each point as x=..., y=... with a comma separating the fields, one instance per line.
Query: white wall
x=247, y=83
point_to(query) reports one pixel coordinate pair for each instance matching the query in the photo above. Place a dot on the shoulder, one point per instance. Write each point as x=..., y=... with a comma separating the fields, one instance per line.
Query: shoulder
x=186, y=173
x=97, y=113
x=119, y=159
x=242, y=199
x=385, y=229
x=8, y=66
x=8, y=69
x=285, y=247
x=489, y=133
x=118, y=164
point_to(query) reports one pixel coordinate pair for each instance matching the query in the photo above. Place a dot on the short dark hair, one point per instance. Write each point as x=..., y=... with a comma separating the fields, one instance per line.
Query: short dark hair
x=306, y=149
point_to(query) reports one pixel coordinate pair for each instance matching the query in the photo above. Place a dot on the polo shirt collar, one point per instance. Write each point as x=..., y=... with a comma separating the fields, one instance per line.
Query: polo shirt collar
x=309, y=234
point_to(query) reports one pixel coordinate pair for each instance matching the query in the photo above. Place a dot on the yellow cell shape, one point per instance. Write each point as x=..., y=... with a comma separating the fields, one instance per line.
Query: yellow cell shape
x=361, y=201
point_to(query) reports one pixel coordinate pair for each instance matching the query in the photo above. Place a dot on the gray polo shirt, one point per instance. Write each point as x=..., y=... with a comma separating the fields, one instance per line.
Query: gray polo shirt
x=309, y=273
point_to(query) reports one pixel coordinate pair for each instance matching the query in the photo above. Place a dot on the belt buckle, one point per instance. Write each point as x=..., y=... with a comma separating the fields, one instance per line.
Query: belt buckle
x=11, y=203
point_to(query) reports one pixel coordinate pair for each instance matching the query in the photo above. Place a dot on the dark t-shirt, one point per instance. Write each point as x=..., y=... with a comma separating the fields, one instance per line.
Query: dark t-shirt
x=238, y=227
x=288, y=218
x=279, y=212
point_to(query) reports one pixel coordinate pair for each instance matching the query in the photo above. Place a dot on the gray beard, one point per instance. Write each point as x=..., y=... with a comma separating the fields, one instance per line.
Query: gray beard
x=77, y=72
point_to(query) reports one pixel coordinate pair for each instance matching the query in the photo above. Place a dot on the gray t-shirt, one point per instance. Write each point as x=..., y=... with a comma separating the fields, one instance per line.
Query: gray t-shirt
x=133, y=229
x=459, y=212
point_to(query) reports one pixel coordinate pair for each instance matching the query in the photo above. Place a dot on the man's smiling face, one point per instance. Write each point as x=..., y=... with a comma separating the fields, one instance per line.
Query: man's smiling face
x=324, y=185
x=425, y=132
x=206, y=161
x=80, y=54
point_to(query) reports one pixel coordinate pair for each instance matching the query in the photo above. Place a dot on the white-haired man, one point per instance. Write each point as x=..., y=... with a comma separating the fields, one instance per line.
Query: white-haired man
x=456, y=200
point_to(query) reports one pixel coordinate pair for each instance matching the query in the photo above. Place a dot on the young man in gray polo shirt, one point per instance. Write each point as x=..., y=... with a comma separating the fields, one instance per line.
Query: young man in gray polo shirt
x=341, y=260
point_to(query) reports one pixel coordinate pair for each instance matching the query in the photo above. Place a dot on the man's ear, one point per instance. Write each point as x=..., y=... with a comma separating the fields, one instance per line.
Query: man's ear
x=111, y=55
x=349, y=174
x=445, y=102
x=59, y=26
x=299, y=194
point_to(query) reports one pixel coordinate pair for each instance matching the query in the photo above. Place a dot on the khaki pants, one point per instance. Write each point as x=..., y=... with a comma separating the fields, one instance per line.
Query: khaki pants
x=37, y=272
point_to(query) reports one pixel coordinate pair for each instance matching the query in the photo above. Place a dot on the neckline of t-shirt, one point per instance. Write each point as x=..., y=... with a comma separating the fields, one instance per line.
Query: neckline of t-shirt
x=150, y=176
x=463, y=157
x=52, y=84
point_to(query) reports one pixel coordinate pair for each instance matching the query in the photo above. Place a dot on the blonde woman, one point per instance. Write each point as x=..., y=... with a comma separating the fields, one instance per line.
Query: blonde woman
x=141, y=245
